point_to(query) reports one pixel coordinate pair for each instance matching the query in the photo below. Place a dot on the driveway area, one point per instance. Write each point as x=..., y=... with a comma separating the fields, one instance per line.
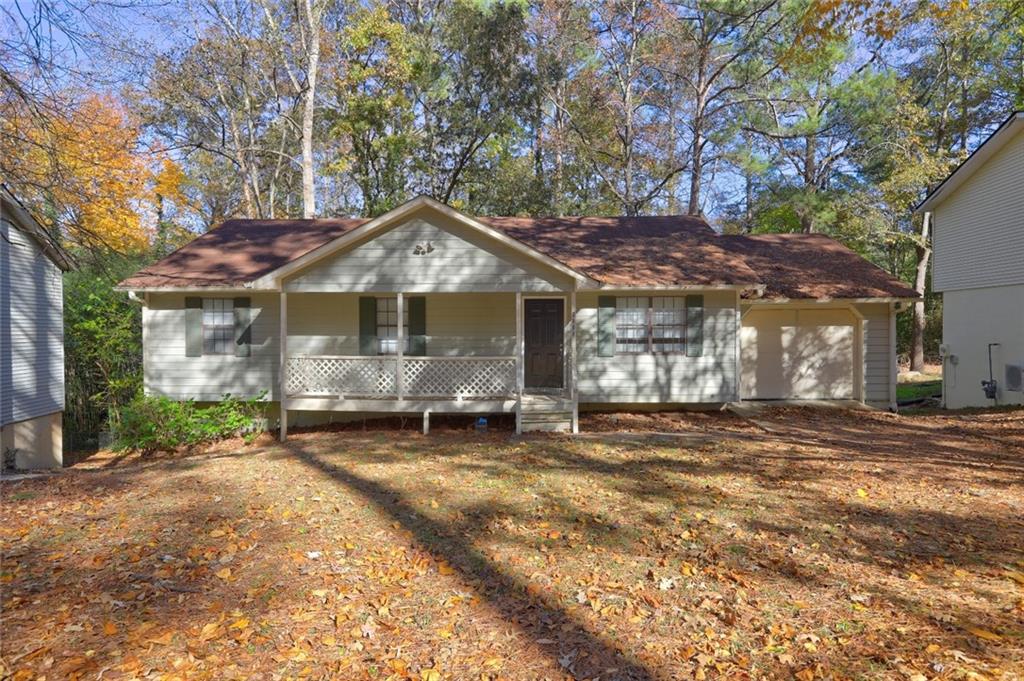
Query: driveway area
x=807, y=544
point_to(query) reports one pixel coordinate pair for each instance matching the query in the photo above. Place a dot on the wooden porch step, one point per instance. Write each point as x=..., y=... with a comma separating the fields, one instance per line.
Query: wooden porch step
x=544, y=403
x=548, y=427
x=546, y=413
x=548, y=416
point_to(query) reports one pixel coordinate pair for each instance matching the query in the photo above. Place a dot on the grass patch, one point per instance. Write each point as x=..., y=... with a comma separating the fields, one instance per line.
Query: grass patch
x=917, y=391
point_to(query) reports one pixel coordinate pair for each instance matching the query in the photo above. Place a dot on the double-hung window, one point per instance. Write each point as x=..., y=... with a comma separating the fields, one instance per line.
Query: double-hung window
x=650, y=324
x=387, y=326
x=631, y=325
x=218, y=326
x=668, y=324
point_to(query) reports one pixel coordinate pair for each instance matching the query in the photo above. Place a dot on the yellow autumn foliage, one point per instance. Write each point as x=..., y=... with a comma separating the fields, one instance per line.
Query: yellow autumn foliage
x=80, y=169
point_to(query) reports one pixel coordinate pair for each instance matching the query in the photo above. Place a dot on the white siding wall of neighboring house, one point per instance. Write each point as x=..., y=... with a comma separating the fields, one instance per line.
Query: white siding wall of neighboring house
x=877, y=354
x=971, y=319
x=978, y=232
x=661, y=378
x=170, y=373
x=458, y=324
x=422, y=256
x=31, y=329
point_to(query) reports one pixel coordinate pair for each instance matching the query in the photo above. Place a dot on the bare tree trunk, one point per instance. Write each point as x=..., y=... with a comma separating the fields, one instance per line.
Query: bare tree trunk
x=697, y=148
x=559, y=170
x=309, y=105
x=748, y=207
x=923, y=252
x=696, y=167
x=672, y=140
x=810, y=181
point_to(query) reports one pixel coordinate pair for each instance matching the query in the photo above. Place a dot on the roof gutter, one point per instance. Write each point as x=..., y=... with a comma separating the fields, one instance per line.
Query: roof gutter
x=244, y=288
x=825, y=301
x=758, y=288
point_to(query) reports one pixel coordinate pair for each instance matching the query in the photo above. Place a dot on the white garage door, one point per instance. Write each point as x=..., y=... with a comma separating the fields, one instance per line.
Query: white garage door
x=798, y=354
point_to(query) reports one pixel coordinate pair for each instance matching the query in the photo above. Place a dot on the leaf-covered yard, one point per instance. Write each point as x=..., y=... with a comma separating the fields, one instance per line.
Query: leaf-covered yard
x=813, y=545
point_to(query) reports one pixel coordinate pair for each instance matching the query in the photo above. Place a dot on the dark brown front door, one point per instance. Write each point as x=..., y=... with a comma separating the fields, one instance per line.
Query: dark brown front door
x=544, y=343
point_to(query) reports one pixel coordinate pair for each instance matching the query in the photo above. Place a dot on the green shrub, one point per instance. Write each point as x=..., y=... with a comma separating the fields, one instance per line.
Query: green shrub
x=151, y=424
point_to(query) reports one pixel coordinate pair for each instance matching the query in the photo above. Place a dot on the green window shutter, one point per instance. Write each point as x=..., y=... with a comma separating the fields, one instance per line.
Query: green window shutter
x=694, y=326
x=417, y=326
x=606, y=326
x=243, y=327
x=193, y=327
x=367, y=326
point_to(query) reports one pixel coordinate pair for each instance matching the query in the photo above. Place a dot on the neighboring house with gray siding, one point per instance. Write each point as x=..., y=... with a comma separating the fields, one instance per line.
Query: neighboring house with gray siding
x=31, y=340
x=977, y=222
x=429, y=310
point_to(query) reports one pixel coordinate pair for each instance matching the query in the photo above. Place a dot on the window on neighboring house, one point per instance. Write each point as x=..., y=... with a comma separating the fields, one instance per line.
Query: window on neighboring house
x=387, y=326
x=218, y=326
x=650, y=324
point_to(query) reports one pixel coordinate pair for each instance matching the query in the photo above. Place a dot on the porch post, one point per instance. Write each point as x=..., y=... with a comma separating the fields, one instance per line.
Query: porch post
x=894, y=369
x=283, y=371
x=737, y=348
x=573, y=376
x=858, y=353
x=519, y=361
x=400, y=351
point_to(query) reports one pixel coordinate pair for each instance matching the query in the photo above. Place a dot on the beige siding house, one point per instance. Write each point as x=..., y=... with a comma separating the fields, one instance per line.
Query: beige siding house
x=31, y=340
x=427, y=310
x=977, y=223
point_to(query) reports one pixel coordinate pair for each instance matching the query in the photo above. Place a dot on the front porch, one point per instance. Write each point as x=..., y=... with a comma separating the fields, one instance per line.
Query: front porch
x=473, y=353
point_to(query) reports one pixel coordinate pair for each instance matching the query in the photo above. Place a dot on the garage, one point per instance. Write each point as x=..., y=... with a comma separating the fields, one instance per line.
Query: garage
x=799, y=354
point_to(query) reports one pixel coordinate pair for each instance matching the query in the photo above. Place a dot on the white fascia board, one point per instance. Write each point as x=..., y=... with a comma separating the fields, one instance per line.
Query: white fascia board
x=996, y=141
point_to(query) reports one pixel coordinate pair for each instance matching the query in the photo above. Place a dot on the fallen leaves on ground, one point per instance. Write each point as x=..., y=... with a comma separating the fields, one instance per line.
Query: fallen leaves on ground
x=835, y=546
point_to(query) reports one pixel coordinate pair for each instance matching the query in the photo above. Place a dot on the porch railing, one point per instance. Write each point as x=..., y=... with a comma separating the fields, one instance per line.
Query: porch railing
x=422, y=377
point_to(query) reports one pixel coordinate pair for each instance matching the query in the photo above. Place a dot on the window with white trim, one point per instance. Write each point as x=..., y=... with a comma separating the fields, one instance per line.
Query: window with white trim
x=668, y=324
x=218, y=326
x=650, y=324
x=631, y=325
x=387, y=326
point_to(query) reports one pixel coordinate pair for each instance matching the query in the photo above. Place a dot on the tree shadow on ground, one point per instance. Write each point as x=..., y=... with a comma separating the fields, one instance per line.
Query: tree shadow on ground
x=535, y=613
x=887, y=542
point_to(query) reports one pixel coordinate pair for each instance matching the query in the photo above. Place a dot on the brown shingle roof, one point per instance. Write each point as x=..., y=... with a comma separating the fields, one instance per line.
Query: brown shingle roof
x=675, y=250
x=615, y=251
x=238, y=251
x=813, y=266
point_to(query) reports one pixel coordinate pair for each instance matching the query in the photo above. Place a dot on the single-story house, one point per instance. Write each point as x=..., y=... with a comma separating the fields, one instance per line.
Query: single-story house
x=976, y=219
x=428, y=310
x=31, y=340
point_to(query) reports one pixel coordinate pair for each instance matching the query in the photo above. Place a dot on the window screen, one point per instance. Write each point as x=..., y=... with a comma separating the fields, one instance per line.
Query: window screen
x=644, y=324
x=631, y=325
x=387, y=326
x=668, y=324
x=218, y=326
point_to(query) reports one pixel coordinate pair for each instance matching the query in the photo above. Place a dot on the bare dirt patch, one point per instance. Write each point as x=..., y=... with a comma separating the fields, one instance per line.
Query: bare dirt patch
x=838, y=545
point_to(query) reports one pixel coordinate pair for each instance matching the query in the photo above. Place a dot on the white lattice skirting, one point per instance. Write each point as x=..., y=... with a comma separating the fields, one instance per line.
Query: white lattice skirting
x=460, y=377
x=367, y=377
x=423, y=377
